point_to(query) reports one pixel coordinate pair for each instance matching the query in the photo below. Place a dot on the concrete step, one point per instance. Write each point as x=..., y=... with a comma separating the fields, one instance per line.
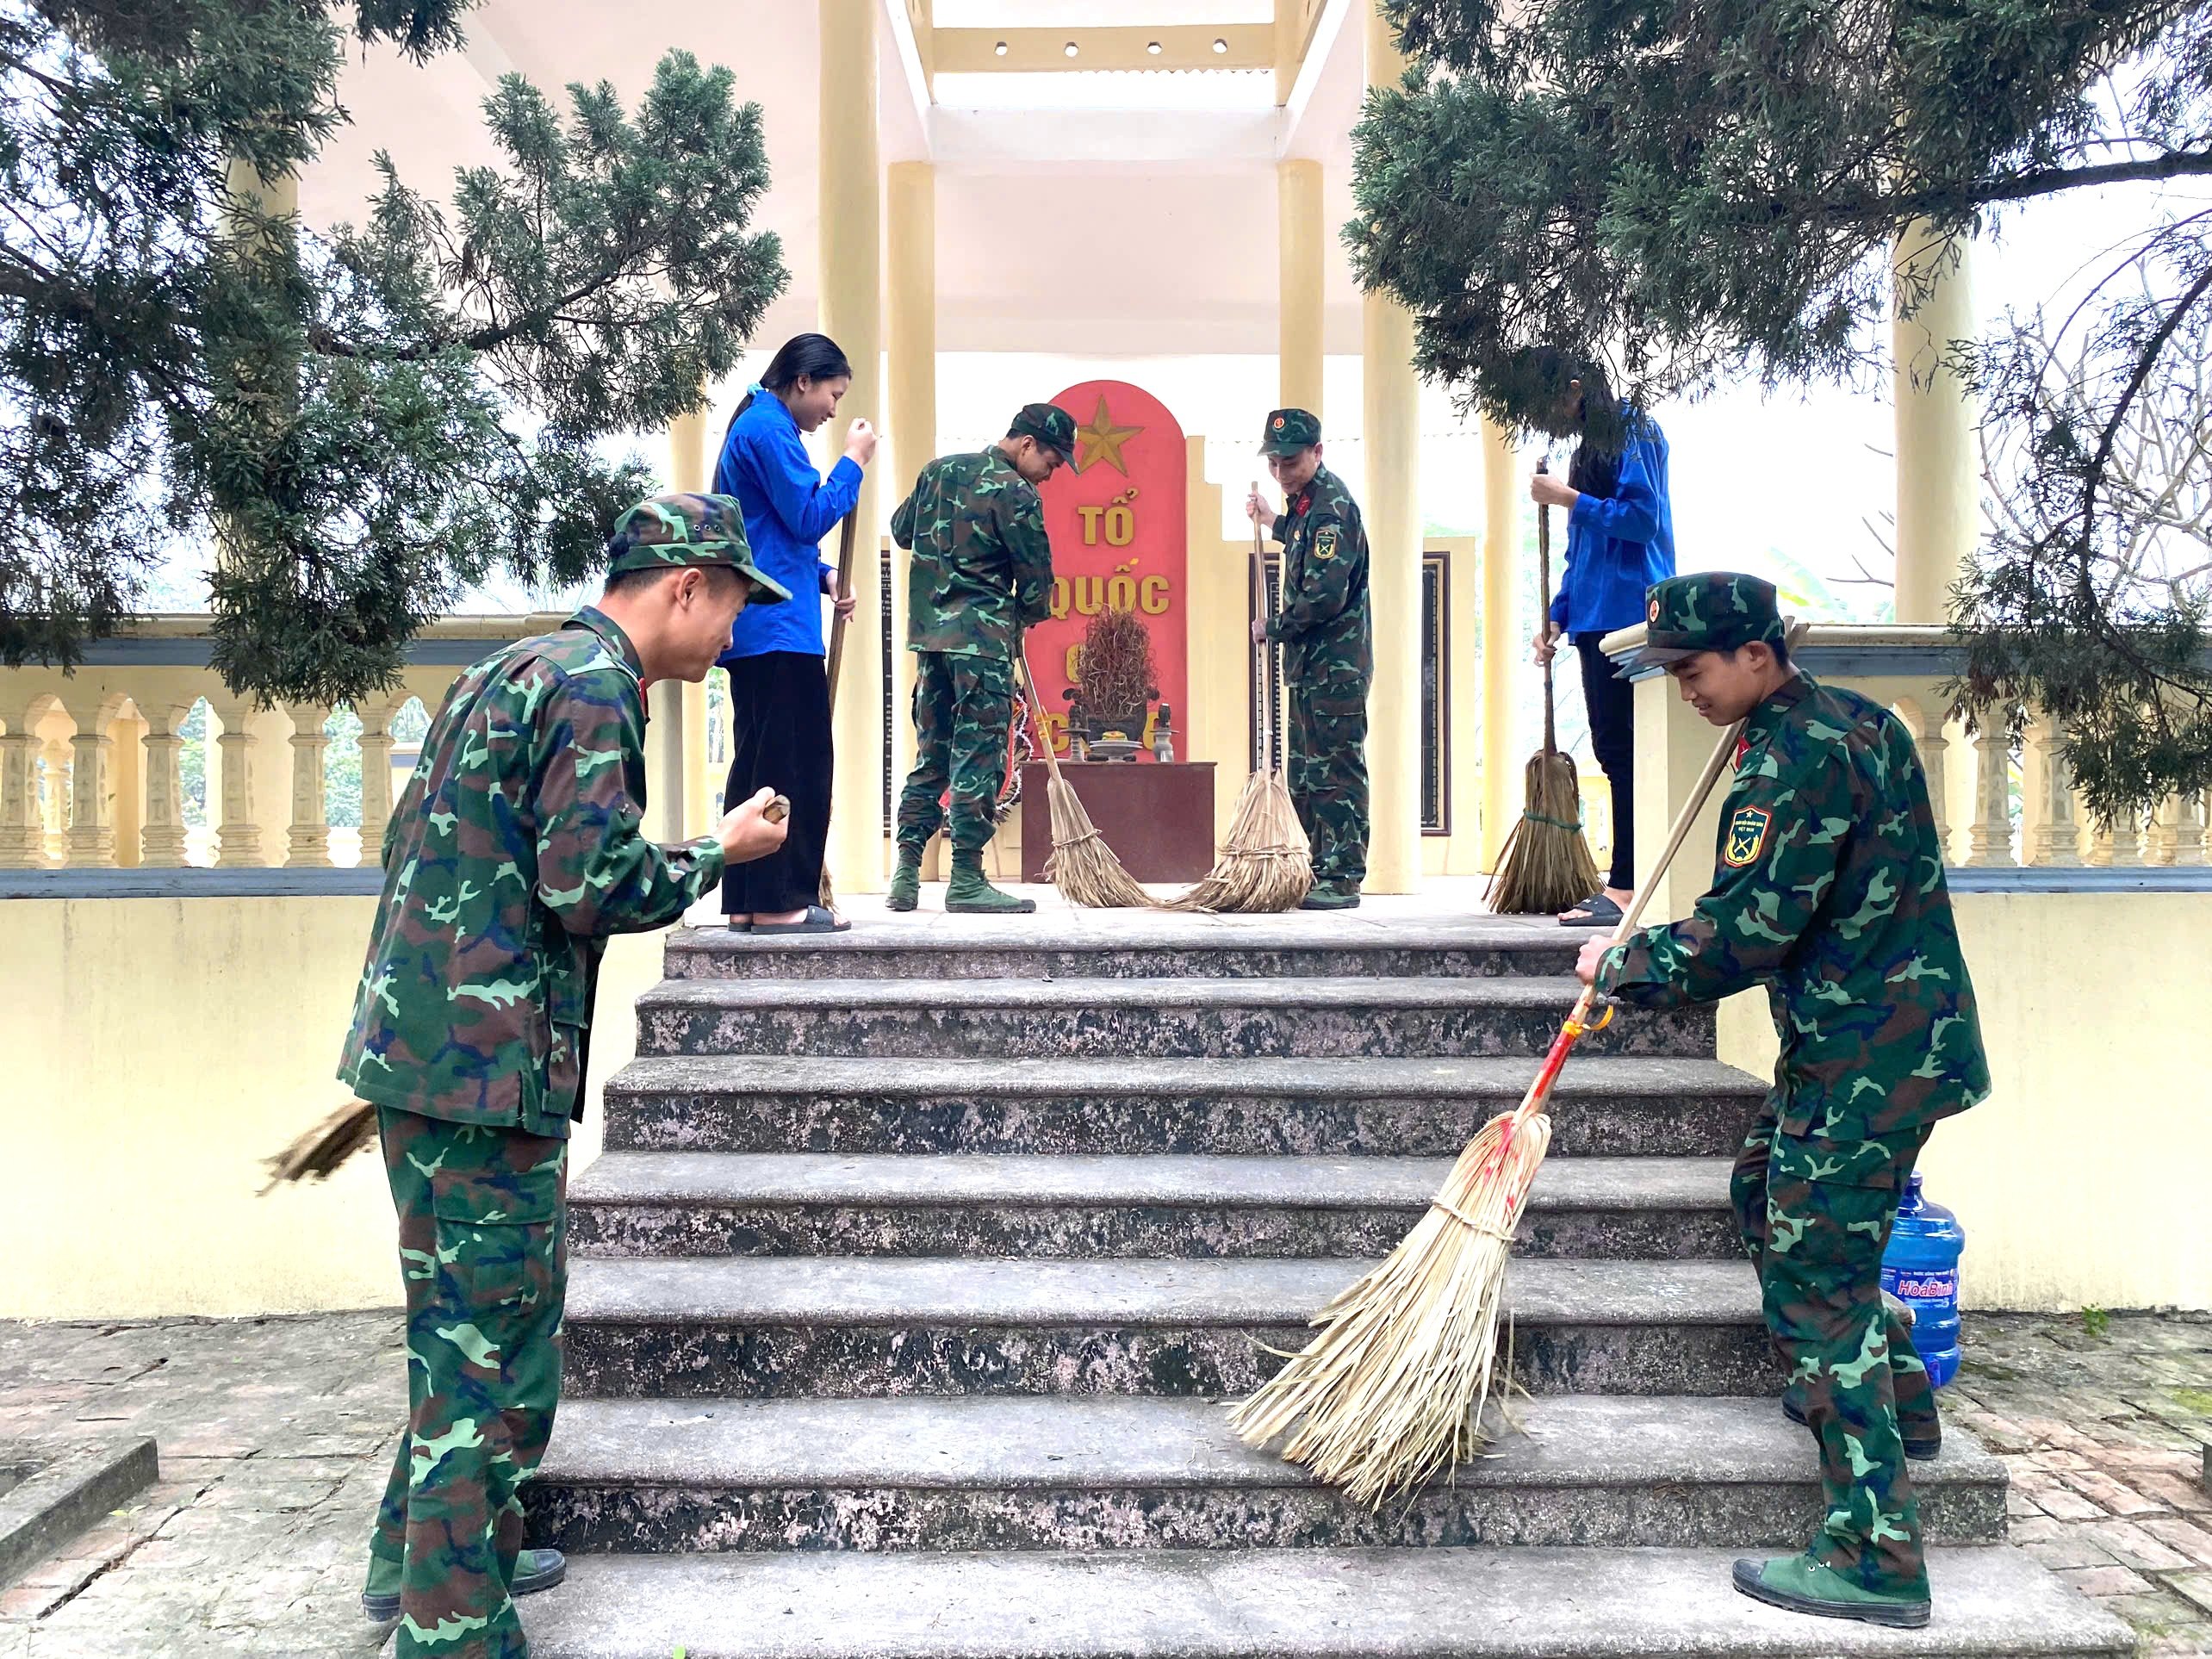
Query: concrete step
x=1060, y=1207
x=781, y=1327
x=1992, y=1602
x=1378, y=1106
x=1119, y=1473
x=1098, y=1019
x=1123, y=945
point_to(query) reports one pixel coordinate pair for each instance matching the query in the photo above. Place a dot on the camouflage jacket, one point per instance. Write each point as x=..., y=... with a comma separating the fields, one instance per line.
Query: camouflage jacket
x=515, y=851
x=1829, y=890
x=1324, y=613
x=982, y=565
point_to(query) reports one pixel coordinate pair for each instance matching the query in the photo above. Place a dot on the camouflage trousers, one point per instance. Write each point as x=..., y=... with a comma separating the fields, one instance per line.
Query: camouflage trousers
x=1324, y=764
x=961, y=707
x=483, y=1254
x=1815, y=1217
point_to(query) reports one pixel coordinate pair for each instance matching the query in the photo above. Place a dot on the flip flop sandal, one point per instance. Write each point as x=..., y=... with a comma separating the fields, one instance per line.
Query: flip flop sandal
x=737, y=927
x=1598, y=912
x=816, y=920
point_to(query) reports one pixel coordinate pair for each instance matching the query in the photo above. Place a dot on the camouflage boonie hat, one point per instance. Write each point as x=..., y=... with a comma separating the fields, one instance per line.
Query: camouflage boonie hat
x=1290, y=432
x=1712, y=610
x=1050, y=425
x=669, y=532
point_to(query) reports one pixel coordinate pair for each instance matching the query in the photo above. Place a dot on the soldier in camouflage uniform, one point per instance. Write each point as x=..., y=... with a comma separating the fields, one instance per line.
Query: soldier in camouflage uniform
x=1328, y=653
x=1829, y=890
x=516, y=850
x=982, y=573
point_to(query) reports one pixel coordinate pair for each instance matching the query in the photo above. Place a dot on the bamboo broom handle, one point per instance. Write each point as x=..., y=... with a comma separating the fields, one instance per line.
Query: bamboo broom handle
x=1572, y=1031
x=1262, y=686
x=1543, y=618
x=848, y=533
x=1037, y=706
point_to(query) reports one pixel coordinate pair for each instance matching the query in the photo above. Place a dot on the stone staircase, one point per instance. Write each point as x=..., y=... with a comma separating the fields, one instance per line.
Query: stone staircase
x=922, y=1259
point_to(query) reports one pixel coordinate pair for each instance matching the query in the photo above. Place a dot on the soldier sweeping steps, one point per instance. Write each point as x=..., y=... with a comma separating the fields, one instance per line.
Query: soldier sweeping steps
x=1328, y=654
x=517, y=850
x=982, y=572
x=1829, y=890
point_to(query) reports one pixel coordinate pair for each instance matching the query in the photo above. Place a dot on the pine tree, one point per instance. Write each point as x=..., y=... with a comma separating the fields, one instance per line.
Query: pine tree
x=1688, y=193
x=359, y=424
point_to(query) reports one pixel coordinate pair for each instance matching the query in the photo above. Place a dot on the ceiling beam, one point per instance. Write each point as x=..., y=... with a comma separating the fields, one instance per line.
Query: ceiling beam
x=1114, y=46
x=1003, y=141
x=1320, y=45
x=908, y=23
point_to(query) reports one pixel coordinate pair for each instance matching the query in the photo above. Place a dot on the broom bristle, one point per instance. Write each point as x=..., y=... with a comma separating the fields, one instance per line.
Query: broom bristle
x=1081, y=866
x=1394, y=1387
x=1266, y=865
x=324, y=1147
x=1546, y=864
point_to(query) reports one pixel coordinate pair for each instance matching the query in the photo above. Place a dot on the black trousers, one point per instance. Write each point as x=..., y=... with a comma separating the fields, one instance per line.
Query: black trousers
x=1612, y=704
x=780, y=732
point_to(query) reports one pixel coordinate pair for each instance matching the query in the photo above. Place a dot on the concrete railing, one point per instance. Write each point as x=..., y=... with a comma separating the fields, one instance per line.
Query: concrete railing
x=2001, y=805
x=91, y=772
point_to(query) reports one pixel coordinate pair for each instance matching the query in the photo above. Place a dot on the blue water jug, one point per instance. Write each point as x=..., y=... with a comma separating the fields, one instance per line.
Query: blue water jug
x=1921, y=1270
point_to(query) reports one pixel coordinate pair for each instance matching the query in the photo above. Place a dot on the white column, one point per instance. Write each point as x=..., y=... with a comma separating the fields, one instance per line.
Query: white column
x=1300, y=272
x=911, y=290
x=1391, y=503
x=237, y=832
x=1938, y=468
x=2055, y=836
x=852, y=314
x=376, y=779
x=1989, y=842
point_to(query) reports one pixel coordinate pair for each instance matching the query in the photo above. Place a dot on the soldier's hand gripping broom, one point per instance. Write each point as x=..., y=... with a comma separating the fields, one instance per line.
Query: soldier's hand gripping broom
x=319, y=1153
x=1393, y=1388
x=1266, y=863
x=848, y=531
x=1081, y=866
x=1546, y=864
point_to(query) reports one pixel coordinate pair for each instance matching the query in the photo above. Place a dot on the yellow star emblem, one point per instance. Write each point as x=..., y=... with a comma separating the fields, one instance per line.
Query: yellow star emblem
x=1102, y=440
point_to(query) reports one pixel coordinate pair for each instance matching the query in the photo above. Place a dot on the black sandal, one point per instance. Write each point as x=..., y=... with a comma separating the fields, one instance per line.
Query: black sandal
x=1597, y=912
x=816, y=920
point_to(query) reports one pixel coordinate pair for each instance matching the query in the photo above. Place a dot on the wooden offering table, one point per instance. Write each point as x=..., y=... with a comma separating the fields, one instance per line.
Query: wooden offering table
x=1157, y=818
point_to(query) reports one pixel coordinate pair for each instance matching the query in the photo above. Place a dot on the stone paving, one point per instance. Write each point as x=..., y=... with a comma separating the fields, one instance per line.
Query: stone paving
x=275, y=1434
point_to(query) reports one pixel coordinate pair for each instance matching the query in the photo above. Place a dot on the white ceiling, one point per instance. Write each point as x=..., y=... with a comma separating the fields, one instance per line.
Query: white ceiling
x=1086, y=232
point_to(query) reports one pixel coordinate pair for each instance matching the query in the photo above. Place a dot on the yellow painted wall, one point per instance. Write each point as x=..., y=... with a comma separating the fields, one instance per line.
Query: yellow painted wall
x=154, y=1052
x=2083, y=1179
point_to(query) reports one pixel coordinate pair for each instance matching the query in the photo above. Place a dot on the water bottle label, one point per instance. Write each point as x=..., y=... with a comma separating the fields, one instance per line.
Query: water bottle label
x=1923, y=1286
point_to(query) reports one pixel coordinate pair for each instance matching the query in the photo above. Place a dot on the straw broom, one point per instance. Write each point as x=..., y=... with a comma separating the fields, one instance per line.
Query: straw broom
x=827, y=896
x=1394, y=1387
x=1266, y=863
x=1081, y=866
x=317, y=1155
x=1546, y=864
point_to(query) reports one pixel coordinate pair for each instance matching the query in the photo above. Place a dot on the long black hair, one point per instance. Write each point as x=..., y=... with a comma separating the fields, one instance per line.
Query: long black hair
x=804, y=356
x=1594, y=469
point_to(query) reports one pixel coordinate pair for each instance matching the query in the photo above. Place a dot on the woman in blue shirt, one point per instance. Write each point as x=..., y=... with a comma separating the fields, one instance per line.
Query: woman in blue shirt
x=778, y=689
x=1620, y=540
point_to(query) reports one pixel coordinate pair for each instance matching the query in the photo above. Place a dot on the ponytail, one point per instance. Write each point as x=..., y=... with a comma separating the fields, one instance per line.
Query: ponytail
x=802, y=356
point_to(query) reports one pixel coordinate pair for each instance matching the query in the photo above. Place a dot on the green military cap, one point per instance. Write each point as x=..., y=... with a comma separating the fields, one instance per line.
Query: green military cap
x=1050, y=425
x=1712, y=610
x=669, y=531
x=1288, y=432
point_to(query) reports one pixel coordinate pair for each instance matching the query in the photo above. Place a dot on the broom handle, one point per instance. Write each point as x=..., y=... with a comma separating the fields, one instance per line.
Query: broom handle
x=1576, y=1025
x=1261, y=687
x=1543, y=618
x=1036, y=705
x=848, y=533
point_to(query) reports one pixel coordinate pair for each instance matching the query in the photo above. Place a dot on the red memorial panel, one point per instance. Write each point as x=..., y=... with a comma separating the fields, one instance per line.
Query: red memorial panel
x=1120, y=533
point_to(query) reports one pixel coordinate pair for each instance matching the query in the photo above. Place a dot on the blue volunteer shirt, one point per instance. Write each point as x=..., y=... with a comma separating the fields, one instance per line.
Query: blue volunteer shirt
x=789, y=508
x=1616, y=546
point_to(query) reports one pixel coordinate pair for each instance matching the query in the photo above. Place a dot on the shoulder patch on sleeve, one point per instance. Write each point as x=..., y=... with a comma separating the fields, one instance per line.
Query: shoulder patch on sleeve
x=1325, y=542
x=1746, y=837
